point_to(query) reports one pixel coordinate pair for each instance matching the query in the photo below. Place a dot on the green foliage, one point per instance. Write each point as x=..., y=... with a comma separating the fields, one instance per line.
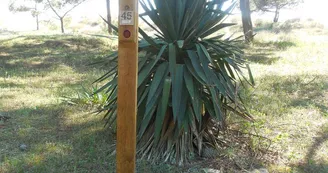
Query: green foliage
x=61, y=4
x=188, y=79
x=62, y=7
x=274, y=6
x=86, y=97
x=268, y=5
x=25, y=6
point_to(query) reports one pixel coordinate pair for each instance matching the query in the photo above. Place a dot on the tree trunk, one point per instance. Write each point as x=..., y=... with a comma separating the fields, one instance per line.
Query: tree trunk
x=276, y=16
x=37, y=22
x=247, y=20
x=109, y=17
x=62, y=24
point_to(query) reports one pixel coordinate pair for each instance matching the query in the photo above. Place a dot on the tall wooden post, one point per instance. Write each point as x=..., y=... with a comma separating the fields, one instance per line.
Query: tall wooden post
x=127, y=86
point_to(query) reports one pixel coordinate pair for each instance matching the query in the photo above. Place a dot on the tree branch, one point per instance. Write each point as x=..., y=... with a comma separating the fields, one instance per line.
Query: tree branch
x=73, y=7
x=261, y=7
x=53, y=9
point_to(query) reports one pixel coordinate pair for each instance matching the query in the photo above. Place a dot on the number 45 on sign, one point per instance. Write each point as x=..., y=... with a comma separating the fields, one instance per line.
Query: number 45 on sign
x=126, y=18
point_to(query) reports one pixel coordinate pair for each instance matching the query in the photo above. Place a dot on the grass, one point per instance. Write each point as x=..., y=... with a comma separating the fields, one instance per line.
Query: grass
x=36, y=71
x=289, y=103
x=37, y=75
x=290, y=98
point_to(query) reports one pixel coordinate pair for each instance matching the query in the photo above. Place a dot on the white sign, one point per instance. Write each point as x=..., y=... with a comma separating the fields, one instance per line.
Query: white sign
x=127, y=18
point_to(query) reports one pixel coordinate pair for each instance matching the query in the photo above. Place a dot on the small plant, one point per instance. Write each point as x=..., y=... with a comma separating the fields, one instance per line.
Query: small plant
x=88, y=97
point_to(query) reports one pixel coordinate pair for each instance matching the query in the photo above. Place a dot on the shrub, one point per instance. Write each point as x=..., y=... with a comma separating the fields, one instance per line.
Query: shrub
x=187, y=82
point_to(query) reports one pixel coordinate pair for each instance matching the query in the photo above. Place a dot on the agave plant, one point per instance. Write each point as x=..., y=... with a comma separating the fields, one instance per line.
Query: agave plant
x=188, y=78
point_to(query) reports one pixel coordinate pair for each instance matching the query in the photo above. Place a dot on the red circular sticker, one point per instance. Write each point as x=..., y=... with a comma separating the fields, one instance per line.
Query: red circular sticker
x=127, y=34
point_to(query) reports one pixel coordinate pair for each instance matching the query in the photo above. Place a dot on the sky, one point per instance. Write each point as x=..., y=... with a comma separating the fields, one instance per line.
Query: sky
x=315, y=9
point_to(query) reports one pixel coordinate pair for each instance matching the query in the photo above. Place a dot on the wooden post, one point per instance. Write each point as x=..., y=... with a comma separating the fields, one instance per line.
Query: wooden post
x=127, y=86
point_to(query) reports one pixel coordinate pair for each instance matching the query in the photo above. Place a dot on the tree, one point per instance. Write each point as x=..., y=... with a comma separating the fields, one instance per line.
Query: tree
x=187, y=82
x=108, y=21
x=109, y=17
x=23, y=6
x=246, y=20
x=275, y=6
x=62, y=7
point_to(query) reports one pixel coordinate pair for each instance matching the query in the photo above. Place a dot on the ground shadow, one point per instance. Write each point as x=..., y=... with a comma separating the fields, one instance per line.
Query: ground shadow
x=256, y=53
x=276, y=45
x=262, y=58
x=310, y=163
x=54, y=145
x=10, y=39
x=43, y=53
x=263, y=52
